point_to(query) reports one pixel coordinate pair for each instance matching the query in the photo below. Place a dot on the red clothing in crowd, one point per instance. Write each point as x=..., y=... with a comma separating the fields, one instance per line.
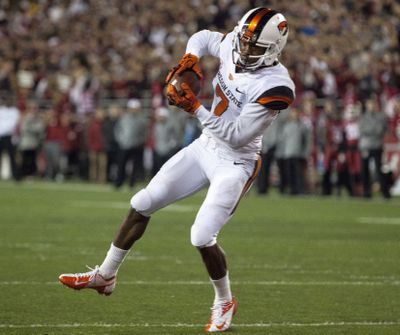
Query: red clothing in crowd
x=73, y=138
x=55, y=132
x=394, y=128
x=334, y=138
x=95, y=136
x=352, y=131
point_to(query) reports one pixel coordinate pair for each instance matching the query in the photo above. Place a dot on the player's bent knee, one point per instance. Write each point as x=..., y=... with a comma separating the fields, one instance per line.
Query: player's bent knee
x=202, y=239
x=209, y=244
x=142, y=203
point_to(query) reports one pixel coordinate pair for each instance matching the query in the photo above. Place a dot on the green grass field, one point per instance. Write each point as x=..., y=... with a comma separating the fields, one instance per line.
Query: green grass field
x=298, y=265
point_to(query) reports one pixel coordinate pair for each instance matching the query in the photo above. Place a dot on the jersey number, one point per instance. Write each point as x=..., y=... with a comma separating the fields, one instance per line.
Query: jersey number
x=222, y=106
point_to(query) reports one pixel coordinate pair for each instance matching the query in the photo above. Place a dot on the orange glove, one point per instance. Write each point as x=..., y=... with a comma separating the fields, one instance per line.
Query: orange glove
x=186, y=100
x=188, y=62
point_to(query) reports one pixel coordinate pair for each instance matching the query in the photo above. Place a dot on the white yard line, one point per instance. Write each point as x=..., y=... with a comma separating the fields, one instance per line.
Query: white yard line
x=76, y=187
x=73, y=187
x=255, y=283
x=125, y=205
x=191, y=325
x=379, y=220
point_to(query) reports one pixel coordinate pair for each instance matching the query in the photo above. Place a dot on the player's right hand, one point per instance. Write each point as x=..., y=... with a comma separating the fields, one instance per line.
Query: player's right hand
x=185, y=100
x=188, y=62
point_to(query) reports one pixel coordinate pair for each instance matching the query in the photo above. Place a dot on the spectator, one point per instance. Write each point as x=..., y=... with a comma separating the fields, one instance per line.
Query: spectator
x=167, y=141
x=373, y=125
x=9, y=117
x=53, y=146
x=296, y=147
x=268, y=155
x=279, y=151
x=395, y=121
x=73, y=139
x=110, y=142
x=130, y=133
x=352, y=134
x=331, y=134
x=97, y=157
x=32, y=133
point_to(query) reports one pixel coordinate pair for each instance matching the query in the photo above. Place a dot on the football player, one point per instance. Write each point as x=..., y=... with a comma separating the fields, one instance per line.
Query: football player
x=251, y=87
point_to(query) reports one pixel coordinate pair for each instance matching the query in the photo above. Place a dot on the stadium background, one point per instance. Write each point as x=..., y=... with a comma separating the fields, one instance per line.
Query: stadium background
x=300, y=265
x=71, y=58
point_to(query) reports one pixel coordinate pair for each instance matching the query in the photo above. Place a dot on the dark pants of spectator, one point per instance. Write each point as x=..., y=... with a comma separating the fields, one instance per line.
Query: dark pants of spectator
x=376, y=156
x=135, y=156
x=283, y=182
x=72, y=168
x=263, y=180
x=111, y=165
x=326, y=182
x=28, y=165
x=7, y=146
x=344, y=180
x=159, y=160
x=294, y=168
x=330, y=161
x=84, y=164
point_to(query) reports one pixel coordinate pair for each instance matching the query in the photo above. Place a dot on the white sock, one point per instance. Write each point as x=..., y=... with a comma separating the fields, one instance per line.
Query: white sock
x=222, y=288
x=112, y=262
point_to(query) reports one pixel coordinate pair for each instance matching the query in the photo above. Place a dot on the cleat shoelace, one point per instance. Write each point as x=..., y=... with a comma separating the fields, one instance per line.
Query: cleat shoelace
x=93, y=271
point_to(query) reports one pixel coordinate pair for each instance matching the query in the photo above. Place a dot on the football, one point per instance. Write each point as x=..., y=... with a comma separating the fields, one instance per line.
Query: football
x=189, y=77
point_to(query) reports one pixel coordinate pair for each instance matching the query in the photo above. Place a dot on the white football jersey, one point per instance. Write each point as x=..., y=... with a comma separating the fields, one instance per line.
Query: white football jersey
x=245, y=103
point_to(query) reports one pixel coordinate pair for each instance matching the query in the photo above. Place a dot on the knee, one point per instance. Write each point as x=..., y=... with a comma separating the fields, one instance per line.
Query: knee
x=202, y=238
x=142, y=203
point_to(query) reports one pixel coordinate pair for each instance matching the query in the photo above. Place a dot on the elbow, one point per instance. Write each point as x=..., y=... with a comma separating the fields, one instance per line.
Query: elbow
x=237, y=143
x=235, y=146
x=239, y=139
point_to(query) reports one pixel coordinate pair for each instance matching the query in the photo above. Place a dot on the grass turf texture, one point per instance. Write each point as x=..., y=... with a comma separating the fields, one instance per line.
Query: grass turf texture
x=298, y=265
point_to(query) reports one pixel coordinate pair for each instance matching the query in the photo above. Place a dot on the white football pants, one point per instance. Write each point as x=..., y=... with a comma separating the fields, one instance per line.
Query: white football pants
x=190, y=170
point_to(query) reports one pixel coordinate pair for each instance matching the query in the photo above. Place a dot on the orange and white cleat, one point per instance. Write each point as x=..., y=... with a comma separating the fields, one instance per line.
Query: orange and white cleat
x=221, y=316
x=91, y=279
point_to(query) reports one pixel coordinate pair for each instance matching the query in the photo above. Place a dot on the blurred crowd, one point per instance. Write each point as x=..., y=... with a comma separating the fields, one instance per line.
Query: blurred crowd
x=81, y=87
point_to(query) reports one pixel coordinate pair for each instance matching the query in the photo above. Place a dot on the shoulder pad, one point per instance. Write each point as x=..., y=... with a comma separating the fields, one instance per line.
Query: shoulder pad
x=276, y=98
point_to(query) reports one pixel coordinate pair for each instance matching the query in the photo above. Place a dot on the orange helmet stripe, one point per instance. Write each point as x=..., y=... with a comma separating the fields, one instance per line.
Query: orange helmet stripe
x=254, y=22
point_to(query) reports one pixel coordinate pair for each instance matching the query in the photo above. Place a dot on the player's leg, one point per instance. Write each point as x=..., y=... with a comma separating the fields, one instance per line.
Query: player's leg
x=178, y=178
x=215, y=261
x=228, y=185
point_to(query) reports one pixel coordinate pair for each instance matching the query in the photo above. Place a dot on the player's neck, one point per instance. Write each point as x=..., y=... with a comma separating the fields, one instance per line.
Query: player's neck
x=239, y=69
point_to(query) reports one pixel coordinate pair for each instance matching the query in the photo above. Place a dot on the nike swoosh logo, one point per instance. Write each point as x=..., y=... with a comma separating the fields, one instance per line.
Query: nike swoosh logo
x=220, y=326
x=237, y=90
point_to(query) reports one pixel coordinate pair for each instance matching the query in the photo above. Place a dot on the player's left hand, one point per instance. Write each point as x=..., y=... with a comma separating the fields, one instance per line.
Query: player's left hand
x=185, y=100
x=188, y=62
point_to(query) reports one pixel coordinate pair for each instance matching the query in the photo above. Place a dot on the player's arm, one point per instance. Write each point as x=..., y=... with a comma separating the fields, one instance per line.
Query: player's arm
x=253, y=120
x=204, y=42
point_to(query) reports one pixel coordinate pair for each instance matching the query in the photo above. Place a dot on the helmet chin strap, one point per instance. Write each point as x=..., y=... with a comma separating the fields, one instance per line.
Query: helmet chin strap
x=264, y=60
x=261, y=62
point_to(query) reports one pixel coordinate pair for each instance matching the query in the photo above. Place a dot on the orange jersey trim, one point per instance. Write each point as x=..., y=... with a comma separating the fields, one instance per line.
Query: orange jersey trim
x=249, y=182
x=267, y=100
